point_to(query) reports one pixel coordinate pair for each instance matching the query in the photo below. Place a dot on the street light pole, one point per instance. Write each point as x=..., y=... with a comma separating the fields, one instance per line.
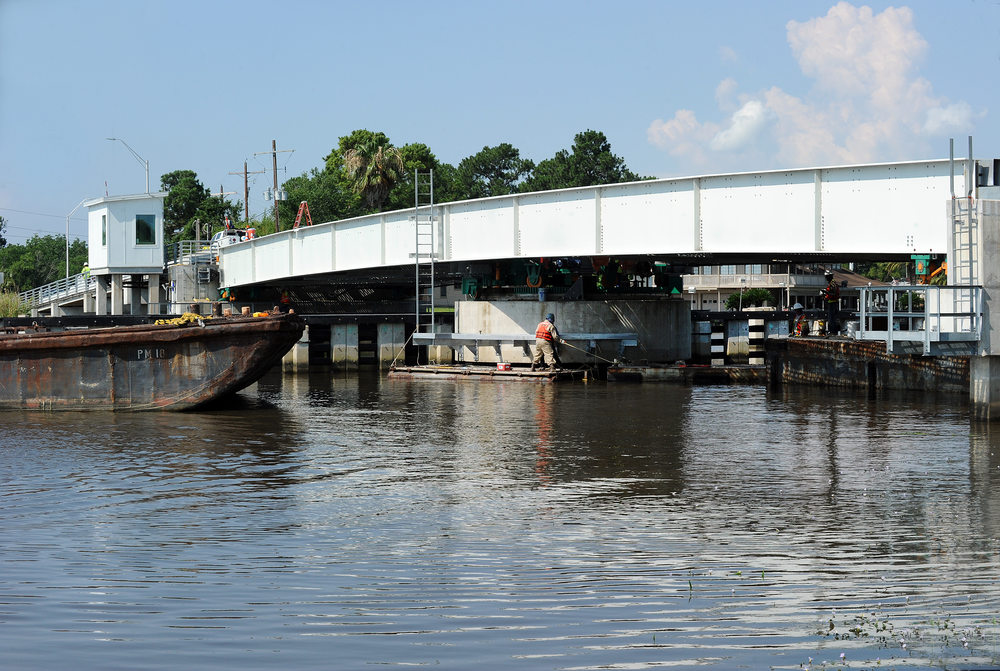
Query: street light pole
x=137, y=157
x=67, y=232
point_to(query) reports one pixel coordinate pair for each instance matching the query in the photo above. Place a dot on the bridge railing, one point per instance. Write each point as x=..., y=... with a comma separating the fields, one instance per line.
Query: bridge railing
x=68, y=286
x=186, y=251
x=923, y=314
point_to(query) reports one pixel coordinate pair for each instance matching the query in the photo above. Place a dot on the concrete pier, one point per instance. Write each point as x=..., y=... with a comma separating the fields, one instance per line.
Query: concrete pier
x=981, y=231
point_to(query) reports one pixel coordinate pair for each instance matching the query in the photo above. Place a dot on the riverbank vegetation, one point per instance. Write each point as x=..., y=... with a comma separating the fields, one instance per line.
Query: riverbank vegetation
x=11, y=305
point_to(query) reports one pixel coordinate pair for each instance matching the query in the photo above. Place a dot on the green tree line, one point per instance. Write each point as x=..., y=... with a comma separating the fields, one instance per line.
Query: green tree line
x=40, y=260
x=367, y=173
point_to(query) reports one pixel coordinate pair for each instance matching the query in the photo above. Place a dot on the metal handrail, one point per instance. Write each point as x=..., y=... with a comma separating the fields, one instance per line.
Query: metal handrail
x=183, y=251
x=921, y=313
x=67, y=286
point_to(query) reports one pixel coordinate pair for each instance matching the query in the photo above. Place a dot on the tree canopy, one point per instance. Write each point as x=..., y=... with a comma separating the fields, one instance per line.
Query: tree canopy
x=366, y=173
x=494, y=171
x=589, y=163
x=3, y=225
x=39, y=261
x=373, y=166
x=187, y=202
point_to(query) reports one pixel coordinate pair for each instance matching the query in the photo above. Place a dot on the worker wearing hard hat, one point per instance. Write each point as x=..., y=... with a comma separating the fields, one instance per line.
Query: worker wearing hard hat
x=546, y=334
x=800, y=325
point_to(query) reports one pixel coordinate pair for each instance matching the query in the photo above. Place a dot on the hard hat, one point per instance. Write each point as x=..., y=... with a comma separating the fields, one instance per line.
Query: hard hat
x=550, y=317
x=828, y=274
x=797, y=306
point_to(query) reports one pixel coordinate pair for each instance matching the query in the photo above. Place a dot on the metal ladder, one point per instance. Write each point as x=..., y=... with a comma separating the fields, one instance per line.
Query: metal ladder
x=424, y=250
x=964, y=266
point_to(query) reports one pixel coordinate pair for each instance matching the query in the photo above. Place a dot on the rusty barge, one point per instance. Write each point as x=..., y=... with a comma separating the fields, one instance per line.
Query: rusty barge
x=174, y=366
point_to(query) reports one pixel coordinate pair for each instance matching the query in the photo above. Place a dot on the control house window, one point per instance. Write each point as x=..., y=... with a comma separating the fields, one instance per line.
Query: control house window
x=145, y=229
x=104, y=230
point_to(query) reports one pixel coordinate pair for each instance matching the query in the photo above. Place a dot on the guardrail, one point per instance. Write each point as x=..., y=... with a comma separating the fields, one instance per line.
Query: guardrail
x=68, y=286
x=923, y=314
x=186, y=251
x=523, y=340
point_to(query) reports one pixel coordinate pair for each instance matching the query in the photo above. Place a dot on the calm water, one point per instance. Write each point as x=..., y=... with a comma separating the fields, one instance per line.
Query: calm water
x=360, y=523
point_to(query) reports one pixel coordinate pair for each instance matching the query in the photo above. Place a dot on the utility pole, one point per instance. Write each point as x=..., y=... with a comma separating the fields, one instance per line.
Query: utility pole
x=246, y=189
x=276, y=193
x=222, y=196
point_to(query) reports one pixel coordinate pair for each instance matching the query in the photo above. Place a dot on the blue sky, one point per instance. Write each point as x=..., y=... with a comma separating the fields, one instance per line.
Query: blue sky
x=678, y=88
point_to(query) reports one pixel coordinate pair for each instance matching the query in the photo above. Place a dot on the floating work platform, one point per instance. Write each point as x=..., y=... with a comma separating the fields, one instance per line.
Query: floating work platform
x=686, y=374
x=485, y=373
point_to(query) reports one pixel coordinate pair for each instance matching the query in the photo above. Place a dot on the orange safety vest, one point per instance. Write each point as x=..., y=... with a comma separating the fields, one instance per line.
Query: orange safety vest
x=544, y=330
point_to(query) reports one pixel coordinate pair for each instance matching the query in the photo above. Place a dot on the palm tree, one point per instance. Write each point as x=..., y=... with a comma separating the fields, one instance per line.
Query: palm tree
x=373, y=169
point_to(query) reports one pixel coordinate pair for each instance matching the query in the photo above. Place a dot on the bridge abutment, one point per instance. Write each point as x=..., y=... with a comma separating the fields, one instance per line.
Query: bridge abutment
x=984, y=270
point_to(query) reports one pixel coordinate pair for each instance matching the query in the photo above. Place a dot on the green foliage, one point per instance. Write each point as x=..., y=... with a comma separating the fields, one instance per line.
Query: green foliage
x=188, y=202
x=366, y=173
x=374, y=170
x=885, y=271
x=588, y=164
x=494, y=171
x=3, y=225
x=327, y=193
x=752, y=297
x=11, y=305
x=40, y=260
x=418, y=156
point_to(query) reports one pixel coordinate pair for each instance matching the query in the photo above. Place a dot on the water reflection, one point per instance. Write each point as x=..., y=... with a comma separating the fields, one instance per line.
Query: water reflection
x=503, y=524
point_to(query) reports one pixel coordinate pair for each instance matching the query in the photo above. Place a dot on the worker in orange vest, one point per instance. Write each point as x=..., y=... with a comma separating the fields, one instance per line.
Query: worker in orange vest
x=831, y=296
x=546, y=334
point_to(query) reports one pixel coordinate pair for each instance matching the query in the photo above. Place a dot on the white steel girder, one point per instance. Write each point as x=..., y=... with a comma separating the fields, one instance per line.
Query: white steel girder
x=888, y=209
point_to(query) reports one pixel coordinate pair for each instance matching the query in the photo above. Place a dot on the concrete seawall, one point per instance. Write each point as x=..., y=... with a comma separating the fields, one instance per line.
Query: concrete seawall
x=862, y=365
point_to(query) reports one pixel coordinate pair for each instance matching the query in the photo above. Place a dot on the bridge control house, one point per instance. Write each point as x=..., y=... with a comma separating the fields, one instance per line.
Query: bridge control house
x=126, y=258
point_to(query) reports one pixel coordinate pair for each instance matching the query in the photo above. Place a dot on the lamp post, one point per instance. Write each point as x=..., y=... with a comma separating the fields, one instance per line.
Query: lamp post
x=137, y=157
x=67, y=232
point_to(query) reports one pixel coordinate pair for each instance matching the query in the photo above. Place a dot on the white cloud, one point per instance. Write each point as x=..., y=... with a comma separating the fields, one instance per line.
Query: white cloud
x=725, y=92
x=955, y=118
x=682, y=136
x=744, y=126
x=868, y=101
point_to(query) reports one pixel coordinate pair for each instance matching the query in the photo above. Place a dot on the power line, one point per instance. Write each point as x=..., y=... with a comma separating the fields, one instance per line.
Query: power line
x=38, y=214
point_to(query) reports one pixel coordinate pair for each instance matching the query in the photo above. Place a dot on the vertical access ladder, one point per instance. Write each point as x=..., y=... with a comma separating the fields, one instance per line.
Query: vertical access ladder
x=964, y=264
x=424, y=250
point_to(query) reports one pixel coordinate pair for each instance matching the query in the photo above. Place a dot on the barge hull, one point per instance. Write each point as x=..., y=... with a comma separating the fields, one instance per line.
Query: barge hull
x=147, y=367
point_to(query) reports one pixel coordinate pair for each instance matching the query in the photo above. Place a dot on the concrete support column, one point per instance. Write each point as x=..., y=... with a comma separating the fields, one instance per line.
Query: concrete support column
x=391, y=340
x=984, y=370
x=984, y=387
x=439, y=354
x=101, y=295
x=135, y=295
x=701, y=341
x=297, y=359
x=756, y=342
x=153, y=300
x=344, y=346
x=55, y=310
x=719, y=345
x=88, y=302
x=117, y=295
